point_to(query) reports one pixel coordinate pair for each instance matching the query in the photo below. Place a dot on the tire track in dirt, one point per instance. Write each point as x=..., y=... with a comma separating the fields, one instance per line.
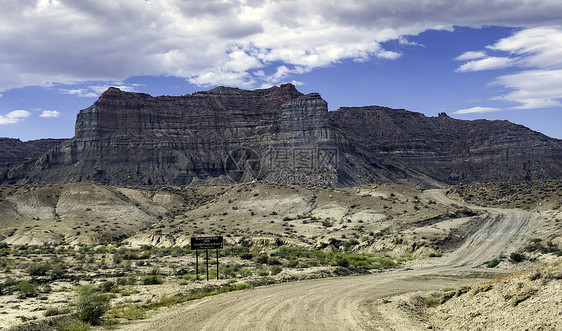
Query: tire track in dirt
x=347, y=303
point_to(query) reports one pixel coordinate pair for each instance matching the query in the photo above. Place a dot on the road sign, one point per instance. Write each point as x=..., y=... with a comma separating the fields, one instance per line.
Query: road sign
x=213, y=242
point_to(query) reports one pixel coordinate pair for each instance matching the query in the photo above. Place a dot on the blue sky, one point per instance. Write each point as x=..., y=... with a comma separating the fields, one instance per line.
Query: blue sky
x=491, y=59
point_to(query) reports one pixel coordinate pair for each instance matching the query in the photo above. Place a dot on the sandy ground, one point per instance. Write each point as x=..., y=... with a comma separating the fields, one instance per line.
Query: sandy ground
x=348, y=303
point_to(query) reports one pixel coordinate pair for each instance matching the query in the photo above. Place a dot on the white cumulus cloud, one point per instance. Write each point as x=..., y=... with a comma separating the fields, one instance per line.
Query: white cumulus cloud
x=49, y=113
x=488, y=63
x=214, y=42
x=536, y=55
x=471, y=55
x=533, y=89
x=14, y=117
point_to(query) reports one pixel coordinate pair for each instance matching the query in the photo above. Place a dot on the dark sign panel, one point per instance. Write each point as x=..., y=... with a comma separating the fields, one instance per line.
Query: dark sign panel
x=214, y=242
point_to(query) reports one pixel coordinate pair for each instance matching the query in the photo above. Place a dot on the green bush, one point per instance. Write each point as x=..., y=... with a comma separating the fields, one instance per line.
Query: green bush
x=152, y=280
x=59, y=270
x=262, y=272
x=246, y=256
x=493, y=263
x=262, y=258
x=288, y=251
x=292, y=264
x=276, y=269
x=90, y=305
x=230, y=270
x=73, y=325
x=235, y=250
x=107, y=286
x=134, y=313
x=516, y=257
x=52, y=311
x=38, y=269
x=273, y=261
x=26, y=289
x=342, y=262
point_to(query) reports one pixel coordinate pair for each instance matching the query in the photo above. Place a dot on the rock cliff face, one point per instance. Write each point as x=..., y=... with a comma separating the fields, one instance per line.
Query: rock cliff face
x=14, y=151
x=279, y=134
x=130, y=138
x=450, y=150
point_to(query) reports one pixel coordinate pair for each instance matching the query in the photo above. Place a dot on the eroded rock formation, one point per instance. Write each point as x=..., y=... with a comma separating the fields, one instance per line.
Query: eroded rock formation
x=279, y=134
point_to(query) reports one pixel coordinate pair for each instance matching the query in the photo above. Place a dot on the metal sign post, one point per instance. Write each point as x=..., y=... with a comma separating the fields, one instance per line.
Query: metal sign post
x=206, y=243
x=196, y=264
x=207, y=261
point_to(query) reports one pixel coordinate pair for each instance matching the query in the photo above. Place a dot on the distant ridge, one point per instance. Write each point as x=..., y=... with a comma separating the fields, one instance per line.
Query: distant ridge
x=14, y=151
x=284, y=136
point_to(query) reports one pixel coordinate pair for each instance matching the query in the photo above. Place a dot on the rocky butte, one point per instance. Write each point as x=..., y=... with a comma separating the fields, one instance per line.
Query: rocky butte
x=279, y=134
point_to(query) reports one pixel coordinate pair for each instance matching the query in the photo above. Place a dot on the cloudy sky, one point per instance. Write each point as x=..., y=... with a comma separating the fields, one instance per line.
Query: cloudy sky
x=493, y=59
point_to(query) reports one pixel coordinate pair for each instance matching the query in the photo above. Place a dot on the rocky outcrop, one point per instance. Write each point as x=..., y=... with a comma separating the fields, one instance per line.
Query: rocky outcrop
x=131, y=138
x=279, y=134
x=450, y=150
x=15, y=151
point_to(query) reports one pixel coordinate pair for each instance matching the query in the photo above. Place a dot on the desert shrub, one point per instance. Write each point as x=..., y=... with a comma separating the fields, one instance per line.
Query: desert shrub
x=52, y=311
x=262, y=258
x=73, y=325
x=230, y=270
x=90, y=304
x=10, y=283
x=145, y=247
x=482, y=288
x=26, y=289
x=462, y=290
x=3, y=245
x=447, y=295
x=246, y=256
x=134, y=313
x=131, y=280
x=189, y=276
x=348, y=244
x=38, y=269
x=435, y=254
x=288, y=251
x=235, y=250
x=59, y=270
x=276, y=269
x=493, y=263
x=522, y=296
x=292, y=264
x=182, y=271
x=152, y=280
x=109, y=323
x=342, y=262
x=273, y=261
x=516, y=257
x=432, y=301
x=262, y=272
x=106, y=286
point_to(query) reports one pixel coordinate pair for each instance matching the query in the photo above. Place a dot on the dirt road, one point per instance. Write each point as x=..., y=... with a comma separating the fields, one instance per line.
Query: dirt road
x=348, y=303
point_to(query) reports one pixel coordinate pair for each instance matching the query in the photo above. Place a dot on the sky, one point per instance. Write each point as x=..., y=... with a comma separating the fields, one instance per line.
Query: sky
x=491, y=59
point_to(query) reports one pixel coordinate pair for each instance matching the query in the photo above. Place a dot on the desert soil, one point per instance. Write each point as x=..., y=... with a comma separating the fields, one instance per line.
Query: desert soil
x=350, y=303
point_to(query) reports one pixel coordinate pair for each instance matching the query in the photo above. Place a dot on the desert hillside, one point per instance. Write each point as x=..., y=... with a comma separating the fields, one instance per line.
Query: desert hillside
x=132, y=245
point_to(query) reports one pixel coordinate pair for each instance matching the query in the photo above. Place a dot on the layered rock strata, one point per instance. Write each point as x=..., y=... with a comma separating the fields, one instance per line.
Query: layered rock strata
x=279, y=134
